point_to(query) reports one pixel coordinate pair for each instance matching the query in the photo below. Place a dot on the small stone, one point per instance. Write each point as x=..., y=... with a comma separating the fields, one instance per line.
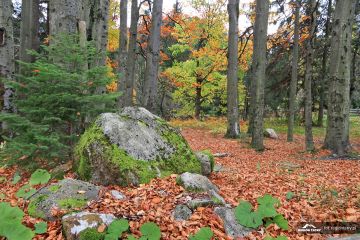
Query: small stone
x=232, y=227
x=205, y=161
x=200, y=202
x=182, y=213
x=270, y=133
x=196, y=182
x=220, y=155
x=117, y=195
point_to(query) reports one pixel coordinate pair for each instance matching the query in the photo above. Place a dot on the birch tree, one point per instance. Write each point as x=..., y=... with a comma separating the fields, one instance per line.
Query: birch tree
x=153, y=59
x=258, y=72
x=294, y=75
x=337, y=132
x=233, y=129
x=123, y=101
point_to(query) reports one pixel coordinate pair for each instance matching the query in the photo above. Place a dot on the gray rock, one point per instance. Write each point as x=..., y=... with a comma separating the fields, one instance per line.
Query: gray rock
x=67, y=194
x=117, y=195
x=232, y=227
x=196, y=182
x=182, y=213
x=75, y=223
x=200, y=202
x=350, y=237
x=220, y=155
x=206, y=161
x=131, y=147
x=219, y=200
x=270, y=133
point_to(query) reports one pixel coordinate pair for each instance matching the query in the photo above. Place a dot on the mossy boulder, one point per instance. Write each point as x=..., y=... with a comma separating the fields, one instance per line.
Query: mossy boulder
x=67, y=194
x=132, y=147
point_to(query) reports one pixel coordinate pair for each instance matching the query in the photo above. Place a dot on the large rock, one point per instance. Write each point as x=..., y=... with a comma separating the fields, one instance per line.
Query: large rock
x=73, y=224
x=196, y=182
x=232, y=227
x=132, y=147
x=67, y=195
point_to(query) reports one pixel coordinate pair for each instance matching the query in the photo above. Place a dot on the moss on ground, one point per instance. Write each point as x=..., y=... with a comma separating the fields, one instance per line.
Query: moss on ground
x=91, y=234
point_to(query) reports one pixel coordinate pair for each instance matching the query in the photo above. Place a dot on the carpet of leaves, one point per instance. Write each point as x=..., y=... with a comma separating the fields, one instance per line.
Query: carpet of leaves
x=324, y=190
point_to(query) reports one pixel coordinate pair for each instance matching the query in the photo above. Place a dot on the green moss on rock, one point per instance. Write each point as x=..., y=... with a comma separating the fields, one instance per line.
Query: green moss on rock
x=33, y=207
x=71, y=203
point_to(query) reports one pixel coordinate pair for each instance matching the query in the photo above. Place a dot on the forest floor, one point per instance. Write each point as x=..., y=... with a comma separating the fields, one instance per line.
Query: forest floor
x=323, y=190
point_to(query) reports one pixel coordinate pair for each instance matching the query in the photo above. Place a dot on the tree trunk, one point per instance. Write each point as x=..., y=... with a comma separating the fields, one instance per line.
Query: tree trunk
x=258, y=74
x=323, y=67
x=233, y=129
x=294, y=75
x=123, y=55
x=131, y=57
x=7, y=63
x=64, y=16
x=309, y=142
x=153, y=59
x=29, y=35
x=337, y=133
x=198, y=100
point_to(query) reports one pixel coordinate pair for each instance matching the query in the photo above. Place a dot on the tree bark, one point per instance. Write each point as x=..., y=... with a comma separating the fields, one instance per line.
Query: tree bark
x=294, y=75
x=309, y=142
x=337, y=133
x=233, y=128
x=153, y=59
x=122, y=101
x=7, y=62
x=29, y=35
x=320, y=120
x=64, y=16
x=258, y=74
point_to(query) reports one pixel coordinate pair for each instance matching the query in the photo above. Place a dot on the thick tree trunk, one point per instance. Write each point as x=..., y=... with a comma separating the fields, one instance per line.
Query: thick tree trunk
x=131, y=57
x=320, y=120
x=64, y=16
x=309, y=142
x=258, y=74
x=153, y=59
x=7, y=63
x=337, y=134
x=233, y=128
x=123, y=102
x=29, y=35
x=294, y=76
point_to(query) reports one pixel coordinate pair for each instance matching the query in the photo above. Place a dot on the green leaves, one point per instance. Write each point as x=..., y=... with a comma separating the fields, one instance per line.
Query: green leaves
x=10, y=223
x=277, y=238
x=25, y=192
x=40, y=176
x=265, y=212
x=150, y=231
x=40, y=227
x=16, y=178
x=204, y=233
x=116, y=228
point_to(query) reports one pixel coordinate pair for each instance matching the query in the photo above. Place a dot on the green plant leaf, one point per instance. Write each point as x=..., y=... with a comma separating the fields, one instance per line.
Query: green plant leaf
x=281, y=222
x=204, y=233
x=16, y=178
x=40, y=176
x=289, y=195
x=25, y=192
x=116, y=228
x=268, y=200
x=245, y=216
x=41, y=227
x=150, y=231
x=267, y=211
x=10, y=223
x=277, y=238
x=131, y=237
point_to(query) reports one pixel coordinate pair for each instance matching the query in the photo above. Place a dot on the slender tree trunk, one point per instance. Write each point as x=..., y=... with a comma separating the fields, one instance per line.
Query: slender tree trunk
x=258, y=75
x=153, y=59
x=323, y=67
x=233, y=129
x=64, y=16
x=337, y=134
x=7, y=63
x=198, y=99
x=123, y=55
x=131, y=57
x=29, y=35
x=294, y=75
x=309, y=142
x=251, y=97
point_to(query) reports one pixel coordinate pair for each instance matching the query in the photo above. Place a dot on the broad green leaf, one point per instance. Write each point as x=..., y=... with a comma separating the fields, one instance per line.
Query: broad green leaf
x=281, y=222
x=150, y=231
x=267, y=211
x=111, y=236
x=16, y=178
x=277, y=238
x=245, y=216
x=25, y=192
x=203, y=234
x=40, y=176
x=289, y=195
x=41, y=227
x=9, y=213
x=268, y=200
x=116, y=228
x=131, y=237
